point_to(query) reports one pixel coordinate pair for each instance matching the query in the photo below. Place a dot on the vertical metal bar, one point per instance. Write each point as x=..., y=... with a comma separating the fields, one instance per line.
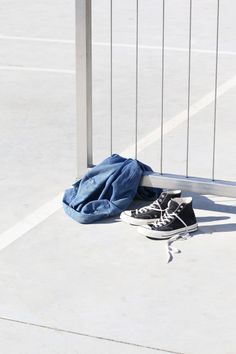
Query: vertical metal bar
x=162, y=82
x=111, y=77
x=189, y=83
x=83, y=84
x=136, y=80
x=216, y=87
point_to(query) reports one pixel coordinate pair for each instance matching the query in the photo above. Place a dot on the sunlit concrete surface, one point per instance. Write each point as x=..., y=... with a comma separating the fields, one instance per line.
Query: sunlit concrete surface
x=71, y=288
x=107, y=281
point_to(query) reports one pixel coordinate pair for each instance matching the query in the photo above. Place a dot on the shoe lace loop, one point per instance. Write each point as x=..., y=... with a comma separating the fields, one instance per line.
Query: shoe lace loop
x=154, y=206
x=165, y=218
x=185, y=235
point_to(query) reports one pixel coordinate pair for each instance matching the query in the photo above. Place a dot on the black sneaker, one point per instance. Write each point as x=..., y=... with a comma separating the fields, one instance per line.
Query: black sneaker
x=178, y=218
x=149, y=213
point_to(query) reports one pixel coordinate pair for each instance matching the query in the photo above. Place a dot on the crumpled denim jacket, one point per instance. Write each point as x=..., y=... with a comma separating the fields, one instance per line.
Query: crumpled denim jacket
x=107, y=189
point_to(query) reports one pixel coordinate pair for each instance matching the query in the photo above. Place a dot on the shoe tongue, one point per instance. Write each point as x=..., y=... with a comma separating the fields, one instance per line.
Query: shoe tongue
x=172, y=206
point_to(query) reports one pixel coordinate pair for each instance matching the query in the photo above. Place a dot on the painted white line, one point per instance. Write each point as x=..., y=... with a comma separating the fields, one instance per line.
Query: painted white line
x=39, y=215
x=118, y=45
x=67, y=71
x=180, y=118
x=37, y=39
x=37, y=69
x=28, y=223
x=173, y=49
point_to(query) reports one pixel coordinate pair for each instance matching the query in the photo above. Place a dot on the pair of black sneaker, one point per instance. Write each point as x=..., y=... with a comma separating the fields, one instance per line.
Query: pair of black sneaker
x=165, y=217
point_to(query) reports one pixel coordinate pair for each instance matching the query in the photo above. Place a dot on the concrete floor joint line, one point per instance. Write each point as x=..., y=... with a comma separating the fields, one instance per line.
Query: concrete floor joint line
x=86, y=335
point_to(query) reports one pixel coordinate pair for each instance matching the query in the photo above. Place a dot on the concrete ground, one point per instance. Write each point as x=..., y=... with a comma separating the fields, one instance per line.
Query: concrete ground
x=103, y=288
x=68, y=288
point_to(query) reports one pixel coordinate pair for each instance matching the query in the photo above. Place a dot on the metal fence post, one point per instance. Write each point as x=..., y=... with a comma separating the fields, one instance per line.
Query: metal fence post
x=84, y=105
x=83, y=85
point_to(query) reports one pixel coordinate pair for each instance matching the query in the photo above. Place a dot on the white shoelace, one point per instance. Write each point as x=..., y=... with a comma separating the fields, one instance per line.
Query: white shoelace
x=164, y=219
x=154, y=206
x=185, y=235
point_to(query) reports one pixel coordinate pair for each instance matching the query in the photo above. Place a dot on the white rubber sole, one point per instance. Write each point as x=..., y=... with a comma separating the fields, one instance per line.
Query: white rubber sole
x=164, y=235
x=137, y=222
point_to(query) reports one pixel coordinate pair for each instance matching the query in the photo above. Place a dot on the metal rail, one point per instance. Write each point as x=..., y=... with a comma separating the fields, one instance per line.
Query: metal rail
x=84, y=103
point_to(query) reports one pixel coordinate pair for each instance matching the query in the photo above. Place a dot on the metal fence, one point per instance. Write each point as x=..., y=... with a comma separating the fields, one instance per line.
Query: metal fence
x=84, y=102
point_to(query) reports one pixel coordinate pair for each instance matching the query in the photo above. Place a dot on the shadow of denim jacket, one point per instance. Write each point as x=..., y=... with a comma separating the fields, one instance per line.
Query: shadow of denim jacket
x=107, y=189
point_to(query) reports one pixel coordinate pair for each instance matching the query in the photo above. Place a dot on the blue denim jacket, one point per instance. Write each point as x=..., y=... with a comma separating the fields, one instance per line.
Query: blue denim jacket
x=107, y=189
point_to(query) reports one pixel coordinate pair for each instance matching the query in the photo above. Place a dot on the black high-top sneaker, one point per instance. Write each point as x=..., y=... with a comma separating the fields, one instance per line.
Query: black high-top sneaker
x=149, y=213
x=178, y=218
